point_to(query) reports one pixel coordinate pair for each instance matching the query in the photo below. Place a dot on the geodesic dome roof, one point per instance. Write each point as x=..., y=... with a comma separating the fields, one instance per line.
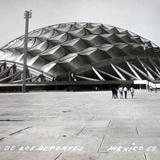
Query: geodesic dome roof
x=90, y=51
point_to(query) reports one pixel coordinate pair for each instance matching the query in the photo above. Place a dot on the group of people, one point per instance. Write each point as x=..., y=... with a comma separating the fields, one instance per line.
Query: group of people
x=122, y=91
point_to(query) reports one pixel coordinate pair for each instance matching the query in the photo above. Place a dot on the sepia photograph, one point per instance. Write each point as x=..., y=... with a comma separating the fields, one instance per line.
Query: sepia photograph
x=79, y=80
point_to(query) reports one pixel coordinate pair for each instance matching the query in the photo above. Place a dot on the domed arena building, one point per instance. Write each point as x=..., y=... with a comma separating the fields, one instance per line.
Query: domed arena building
x=81, y=54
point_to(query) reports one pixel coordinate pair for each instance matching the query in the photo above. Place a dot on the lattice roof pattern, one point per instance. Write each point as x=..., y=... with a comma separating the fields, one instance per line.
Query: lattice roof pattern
x=90, y=51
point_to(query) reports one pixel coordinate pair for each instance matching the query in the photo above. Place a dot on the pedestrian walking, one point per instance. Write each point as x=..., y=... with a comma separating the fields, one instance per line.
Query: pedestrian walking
x=132, y=92
x=151, y=89
x=114, y=93
x=125, y=92
x=120, y=89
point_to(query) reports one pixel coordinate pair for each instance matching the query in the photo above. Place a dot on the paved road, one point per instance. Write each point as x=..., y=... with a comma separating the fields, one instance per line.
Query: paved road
x=79, y=126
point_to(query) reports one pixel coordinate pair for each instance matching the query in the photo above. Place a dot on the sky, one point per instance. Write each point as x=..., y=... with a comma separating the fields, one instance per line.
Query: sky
x=138, y=16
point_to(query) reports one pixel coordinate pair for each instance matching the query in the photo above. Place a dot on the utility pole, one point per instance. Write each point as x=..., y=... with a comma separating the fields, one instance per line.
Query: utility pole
x=146, y=55
x=27, y=16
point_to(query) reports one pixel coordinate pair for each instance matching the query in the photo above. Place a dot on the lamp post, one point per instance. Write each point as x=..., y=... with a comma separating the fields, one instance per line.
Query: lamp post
x=145, y=47
x=27, y=16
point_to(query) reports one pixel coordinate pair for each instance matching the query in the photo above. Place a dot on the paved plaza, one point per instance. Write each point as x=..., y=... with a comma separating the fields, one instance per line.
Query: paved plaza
x=79, y=126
